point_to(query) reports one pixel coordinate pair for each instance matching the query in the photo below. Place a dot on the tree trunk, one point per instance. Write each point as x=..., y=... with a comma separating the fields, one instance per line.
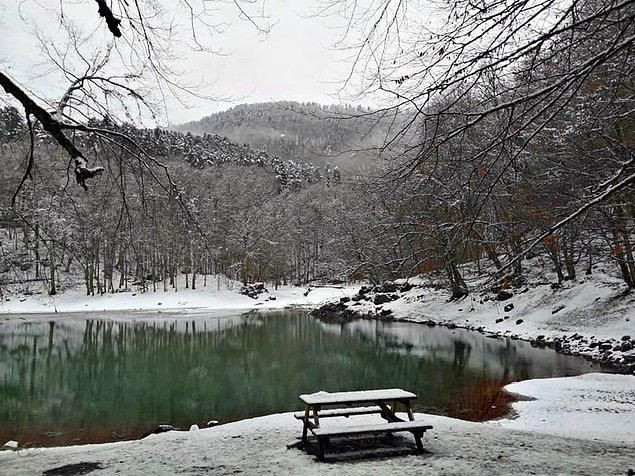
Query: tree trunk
x=618, y=252
x=52, y=288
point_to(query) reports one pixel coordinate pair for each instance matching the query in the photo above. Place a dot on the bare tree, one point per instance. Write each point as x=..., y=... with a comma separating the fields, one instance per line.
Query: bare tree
x=476, y=86
x=129, y=77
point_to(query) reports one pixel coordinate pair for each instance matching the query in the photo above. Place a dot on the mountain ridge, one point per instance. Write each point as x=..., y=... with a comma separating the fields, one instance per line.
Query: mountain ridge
x=311, y=132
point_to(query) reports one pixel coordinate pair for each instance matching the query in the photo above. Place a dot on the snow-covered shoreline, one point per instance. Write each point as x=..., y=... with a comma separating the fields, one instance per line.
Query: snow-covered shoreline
x=259, y=445
x=591, y=406
x=592, y=318
x=212, y=297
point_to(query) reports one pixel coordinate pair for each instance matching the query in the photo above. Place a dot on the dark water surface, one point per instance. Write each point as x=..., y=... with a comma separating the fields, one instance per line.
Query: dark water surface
x=79, y=380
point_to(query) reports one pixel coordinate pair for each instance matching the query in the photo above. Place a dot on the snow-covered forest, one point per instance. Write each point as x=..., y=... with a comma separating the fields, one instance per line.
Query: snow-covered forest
x=232, y=209
x=345, y=136
x=527, y=155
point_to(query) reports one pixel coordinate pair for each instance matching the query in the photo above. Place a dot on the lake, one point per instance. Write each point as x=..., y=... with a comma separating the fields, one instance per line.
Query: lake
x=97, y=378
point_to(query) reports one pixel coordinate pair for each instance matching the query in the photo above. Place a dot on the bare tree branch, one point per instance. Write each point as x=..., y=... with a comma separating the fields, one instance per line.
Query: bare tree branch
x=112, y=22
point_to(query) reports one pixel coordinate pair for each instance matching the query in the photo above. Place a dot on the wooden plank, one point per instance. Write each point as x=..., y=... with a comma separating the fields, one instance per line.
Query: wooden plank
x=411, y=426
x=345, y=412
x=305, y=425
x=387, y=414
x=334, y=398
x=411, y=415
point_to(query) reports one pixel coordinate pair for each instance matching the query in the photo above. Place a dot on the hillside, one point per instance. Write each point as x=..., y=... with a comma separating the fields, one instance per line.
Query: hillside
x=214, y=150
x=298, y=131
x=196, y=150
x=240, y=212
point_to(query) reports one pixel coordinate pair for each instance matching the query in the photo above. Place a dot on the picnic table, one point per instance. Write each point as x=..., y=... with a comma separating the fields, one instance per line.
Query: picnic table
x=383, y=402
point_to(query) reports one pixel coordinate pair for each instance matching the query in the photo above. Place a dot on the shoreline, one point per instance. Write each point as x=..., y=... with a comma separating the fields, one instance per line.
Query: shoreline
x=414, y=304
x=203, y=298
x=610, y=343
x=611, y=367
x=259, y=445
x=504, y=405
x=539, y=418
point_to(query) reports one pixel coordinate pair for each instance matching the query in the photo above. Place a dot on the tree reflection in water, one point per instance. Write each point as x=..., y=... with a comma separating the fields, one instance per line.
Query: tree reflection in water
x=77, y=381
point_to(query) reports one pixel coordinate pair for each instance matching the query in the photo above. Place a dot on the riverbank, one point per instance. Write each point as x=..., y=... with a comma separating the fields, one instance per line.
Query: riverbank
x=579, y=425
x=219, y=293
x=258, y=446
x=593, y=317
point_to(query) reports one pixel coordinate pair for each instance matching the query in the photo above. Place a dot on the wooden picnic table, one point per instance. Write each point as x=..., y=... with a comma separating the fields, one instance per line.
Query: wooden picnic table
x=383, y=402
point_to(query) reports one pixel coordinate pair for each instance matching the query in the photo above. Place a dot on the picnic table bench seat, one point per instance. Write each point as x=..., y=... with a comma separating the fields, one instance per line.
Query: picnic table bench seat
x=390, y=427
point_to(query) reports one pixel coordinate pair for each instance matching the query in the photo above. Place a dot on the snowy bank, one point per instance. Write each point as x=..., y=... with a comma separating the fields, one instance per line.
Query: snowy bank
x=592, y=406
x=591, y=317
x=259, y=446
x=216, y=295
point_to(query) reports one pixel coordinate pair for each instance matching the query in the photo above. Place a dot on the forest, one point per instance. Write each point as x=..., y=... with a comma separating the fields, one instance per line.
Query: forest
x=498, y=160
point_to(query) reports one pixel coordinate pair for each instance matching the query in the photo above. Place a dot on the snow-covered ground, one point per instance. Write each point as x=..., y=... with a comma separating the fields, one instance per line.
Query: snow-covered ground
x=592, y=406
x=593, y=305
x=259, y=445
x=218, y=294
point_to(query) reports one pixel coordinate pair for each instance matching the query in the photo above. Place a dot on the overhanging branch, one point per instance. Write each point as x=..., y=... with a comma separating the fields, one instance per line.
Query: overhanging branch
x=54, y=127
x=112, y=22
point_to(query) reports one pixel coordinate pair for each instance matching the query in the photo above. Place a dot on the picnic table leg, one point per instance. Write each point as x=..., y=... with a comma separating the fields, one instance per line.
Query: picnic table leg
x=411, y=416
x=418, y=435
x=320, y=449
x=306, y=426
x=387, y=413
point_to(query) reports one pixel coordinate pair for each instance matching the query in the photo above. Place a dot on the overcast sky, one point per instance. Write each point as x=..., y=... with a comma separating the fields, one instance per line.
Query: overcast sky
x=295, y=61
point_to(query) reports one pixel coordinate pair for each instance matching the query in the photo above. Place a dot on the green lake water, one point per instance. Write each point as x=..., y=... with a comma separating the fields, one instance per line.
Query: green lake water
x=79, y=379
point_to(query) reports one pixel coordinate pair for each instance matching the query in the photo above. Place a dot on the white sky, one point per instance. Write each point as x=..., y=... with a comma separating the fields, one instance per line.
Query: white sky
x=296, y=61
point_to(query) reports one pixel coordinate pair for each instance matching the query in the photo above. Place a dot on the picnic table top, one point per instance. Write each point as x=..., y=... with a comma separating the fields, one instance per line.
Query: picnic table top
x=326, y=398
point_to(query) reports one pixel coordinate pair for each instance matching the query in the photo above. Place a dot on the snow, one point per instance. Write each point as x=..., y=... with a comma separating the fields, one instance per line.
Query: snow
x=10, y=445
x=258, y=446
x=218, y=294
x=325, y=398
x=594, y=406
x=591, y=306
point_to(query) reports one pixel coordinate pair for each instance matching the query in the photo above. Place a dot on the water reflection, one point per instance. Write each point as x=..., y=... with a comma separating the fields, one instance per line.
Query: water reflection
x=75, y=381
